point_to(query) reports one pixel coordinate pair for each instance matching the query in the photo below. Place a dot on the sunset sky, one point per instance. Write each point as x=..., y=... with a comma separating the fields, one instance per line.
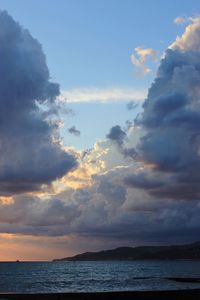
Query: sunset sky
x=99, y=125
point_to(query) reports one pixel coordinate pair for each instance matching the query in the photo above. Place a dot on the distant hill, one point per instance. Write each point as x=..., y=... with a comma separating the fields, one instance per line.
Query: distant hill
x=188, y=251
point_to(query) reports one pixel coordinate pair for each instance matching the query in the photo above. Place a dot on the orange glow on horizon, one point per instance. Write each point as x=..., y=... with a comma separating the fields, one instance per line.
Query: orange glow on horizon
x=6, y=200
x=31, y=248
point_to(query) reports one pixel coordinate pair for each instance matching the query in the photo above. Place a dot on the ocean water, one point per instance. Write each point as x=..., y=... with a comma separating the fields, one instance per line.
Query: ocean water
x=96, y=276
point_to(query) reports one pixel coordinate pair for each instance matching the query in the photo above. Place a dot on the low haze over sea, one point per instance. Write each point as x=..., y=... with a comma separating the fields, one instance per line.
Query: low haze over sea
x=96, y=276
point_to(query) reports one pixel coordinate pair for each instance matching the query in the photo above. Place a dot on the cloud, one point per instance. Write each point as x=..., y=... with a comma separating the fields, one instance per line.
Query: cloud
x=138, y=186
x=131, y=105
x=180, y=20
x=108, y=210
x=119, y=137
x=163, y=184
x=189, y=41
x=170, y=145
x=140, y=57
x=102, y=95
x=30, y=152
x=74, y=131
x=31, y=216
x=116, y=134
x=104, y=156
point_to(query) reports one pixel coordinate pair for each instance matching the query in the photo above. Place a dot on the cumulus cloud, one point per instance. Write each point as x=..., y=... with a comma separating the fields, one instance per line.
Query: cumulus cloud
x=102, y=95
x=189, y=41
x=73, y=130
x=32, y=216
x=163, y=187
x=116, y=134
x=119, y=137
x=108, y=210
x=30, y=152
x=139, y=59
x=140, y=185
x=103, y=157
x=170, y=118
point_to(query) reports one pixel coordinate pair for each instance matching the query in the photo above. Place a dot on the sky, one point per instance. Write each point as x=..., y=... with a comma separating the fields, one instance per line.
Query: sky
x=99, y=125
x=88, y=45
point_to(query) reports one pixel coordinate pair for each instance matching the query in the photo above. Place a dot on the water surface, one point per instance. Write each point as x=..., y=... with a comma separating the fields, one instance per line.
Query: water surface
x=96, y=276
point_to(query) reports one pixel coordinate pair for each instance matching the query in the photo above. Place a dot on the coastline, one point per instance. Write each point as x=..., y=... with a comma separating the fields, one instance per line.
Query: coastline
x=191, y=294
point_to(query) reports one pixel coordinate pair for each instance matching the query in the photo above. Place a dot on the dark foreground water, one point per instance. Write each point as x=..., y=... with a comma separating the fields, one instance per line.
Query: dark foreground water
x=96, y=276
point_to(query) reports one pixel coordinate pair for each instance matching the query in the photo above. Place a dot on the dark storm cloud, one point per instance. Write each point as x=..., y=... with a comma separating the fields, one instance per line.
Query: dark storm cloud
x=162, y=198
x=73, y=130
x=106, y=211
x=155, y=197
x=30, y=215
x=28, y=155
x=171, y=122
x=145, y=180
x=116, y=134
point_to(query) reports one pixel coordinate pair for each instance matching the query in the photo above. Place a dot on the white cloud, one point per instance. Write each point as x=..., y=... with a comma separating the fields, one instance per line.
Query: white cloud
x=180, y=20
x=184, y=20
x=139, y=59
x=102, y=95
x=189, y=40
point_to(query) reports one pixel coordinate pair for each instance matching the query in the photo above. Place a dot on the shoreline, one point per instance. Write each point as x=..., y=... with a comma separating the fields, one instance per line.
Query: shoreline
x=140, y=295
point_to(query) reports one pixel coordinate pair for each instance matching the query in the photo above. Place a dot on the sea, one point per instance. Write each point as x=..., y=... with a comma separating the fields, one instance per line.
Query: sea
x=65, y=276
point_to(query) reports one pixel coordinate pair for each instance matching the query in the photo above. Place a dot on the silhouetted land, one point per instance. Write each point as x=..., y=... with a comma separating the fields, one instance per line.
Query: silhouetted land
x=188, y=251
x=155, y=295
